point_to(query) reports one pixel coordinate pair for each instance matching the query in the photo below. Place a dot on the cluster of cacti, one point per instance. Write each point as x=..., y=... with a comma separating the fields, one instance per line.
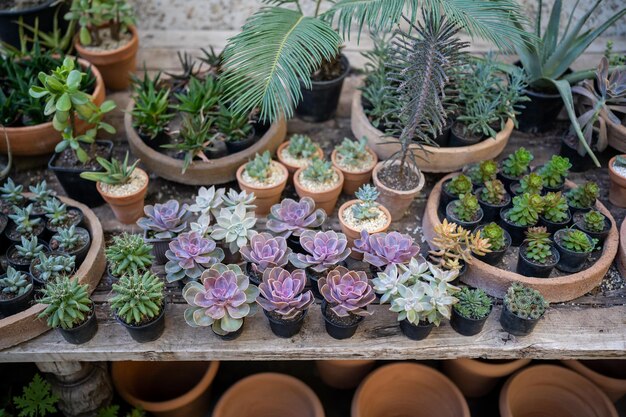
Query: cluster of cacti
x=68, y=303
x=493, y=192
x=366, y=208
x=517, y=164
x=526, y=209
x=459, y=185
x=456, y=245
x=594, y=221
x=576, y=241
x=139, y=297
x=319, y=171
x=189, y=255
x=324, y=250
x=555, y=207
x=531, y=184
x=352, y=153
x=555, y=171
x=382, y=249
x=538, y=245
x=291, y=217
x=301, y=147
x=473, y=303
x=129, y=253
x=494, y=234
x=347, y=292
x=15, y=283
x=259, y=168
x=525, y=302
x=583, y=196
x=466, y=208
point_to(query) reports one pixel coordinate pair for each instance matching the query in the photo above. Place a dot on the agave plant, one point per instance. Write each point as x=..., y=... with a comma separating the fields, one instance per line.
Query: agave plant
x=265, y=252
x=282, y=292
x=234, y=227
x=189, y=255
x=291, y=217
x=382, y=249
x=347, y=292
x=222, y=299
x=164, y=221
x=324, y=250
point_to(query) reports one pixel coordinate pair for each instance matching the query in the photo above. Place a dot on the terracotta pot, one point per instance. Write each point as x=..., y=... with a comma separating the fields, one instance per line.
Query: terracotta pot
x=166, y=389
x=353, y=180
x=293, y=168
x=266, y=196
x=41, y=139
x=269, y=395
x=549, y=390
x=617, y=189
x=344, y=374
x=397, y=202
x=408, y=389
x=608, y=375
x=352, y=233
x=127, y=209
x=115, y=65
x=326, y=200
x=477, y=378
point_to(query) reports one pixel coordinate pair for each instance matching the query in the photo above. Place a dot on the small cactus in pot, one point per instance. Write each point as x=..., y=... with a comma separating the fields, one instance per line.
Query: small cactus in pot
x=523, y=307
x=128, y=253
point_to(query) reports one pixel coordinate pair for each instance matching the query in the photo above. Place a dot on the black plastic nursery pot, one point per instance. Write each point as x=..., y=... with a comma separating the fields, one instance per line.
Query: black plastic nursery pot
x=293, y=242
x=467, y=326
x=81, y=252
x=459, y=139
x=320, y=103
x=285, y=328
x=217, y=150
x=336, y=330
x=157, y=142
x=76, y=187
x=14, y=305
x=575, y=210
x=454, y=219
x=446, y=197
x=43, y=15
x=516, y=232
x=240, y=145
x=599, y=236
x=77, y=219
x=83, y=333
x=491, y=212
x=516, y=325
x=22, y=264
x=494, y=257
x=443, y=139
x=580, y=163
x=418, y=331
x=148, y=332
x=569, y=261
x=313, y=277
x=255, y=278
x=508, y=180
x=159, y=247
x=14, y=237
x=529, y=268
x=232, y=335
x=553, y=227
x=539, y=114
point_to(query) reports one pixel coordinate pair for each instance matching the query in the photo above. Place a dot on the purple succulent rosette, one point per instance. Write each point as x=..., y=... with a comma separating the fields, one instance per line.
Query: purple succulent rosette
x=324, y=250
x=264, y=251
x=347, y=292
x=283, y=292
x=382, y=249
x=166, y=220
x=189, y=255
x=294, y=217
x=222, y=299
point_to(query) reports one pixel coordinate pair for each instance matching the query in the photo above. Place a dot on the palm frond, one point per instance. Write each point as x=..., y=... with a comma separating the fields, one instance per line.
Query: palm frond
x=276, y=51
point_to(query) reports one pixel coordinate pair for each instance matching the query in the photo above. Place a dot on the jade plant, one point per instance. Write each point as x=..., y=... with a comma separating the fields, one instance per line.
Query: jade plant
x=49, y=267
x=526, y=209
x=517, y=164
x=366, y=207
x=291, y=217
x=494, y=235
x=129, y=253
x=473, y=304
x=594, y=221
x=466, y=209
x=92, y=16
x=583, y=197
x=25, y=224
x=164, y=221
x=493, y=192
x=222, y=299
x=538, y=245
x=353, y=154
x=265, y=252
x=324, y=250
x=459, y=185
x=576, y=241
x=525, y=302
x=139, y=298
x=455, y=245
x=15, y=284
x=189, y=255
x=283, y=293
x=68, y=303
x=382, y=249
x=555, y=207
x=234, y=226
x=531, y=184
x=113, y=172
x=260, y=167
x=555, y=171
x=347, y=293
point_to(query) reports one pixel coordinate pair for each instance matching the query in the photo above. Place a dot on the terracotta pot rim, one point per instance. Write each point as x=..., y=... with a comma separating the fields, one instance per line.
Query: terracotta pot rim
x=614, y=176
x=338, y=186
x=579, y=367
x=349, y=203
x=379, y=183
x=137, y=193
x=265, y=187
x=127, y=48
x=333, y=158
x=495, y=370
x=282, y=146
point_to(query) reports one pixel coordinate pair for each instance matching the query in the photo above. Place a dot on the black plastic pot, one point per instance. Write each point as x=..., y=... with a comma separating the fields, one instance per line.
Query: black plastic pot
x=81, y=252
x=539, y=114
x=44, y=14
x=466, y=225
x=446, y=197
x=252, y=275
x=457, y=139
x=517, y=233
x=494, y=257
x=217, y=150
x=320, y=103
x=17, y=304
x=508, y=180
x=443, y=140
x=313, y=277
x=600, y=236
x=4, y=241
x=516, y=325
x=286, y=328
x=12, y=240
x=240, y=145
x=580, y=163
x=529, y=268
x=467, y=326
x=22, y=266
x=83, y=333
x=293, y=242
x=416, y=331
x=491, y=212
x=554, y=226
x=76, y=187
x=159, y=247
x=575, y=210
x=570, y=261
x=232, y=335
x=148, y=332
x=261, y=127
x=547, y=189
x=78, y=220
x=156, y=143
x=337, y=331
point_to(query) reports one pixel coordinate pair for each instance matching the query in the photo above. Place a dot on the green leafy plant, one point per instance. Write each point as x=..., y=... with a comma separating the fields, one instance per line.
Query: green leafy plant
x=538, y=245
x=377, y=96
x=494, y=234
x=583, y=196
x=319, y=171
x=615, y=59
x=68, y=303
x=459, y=185
x=525, y=302
x=92, y=15
x=37, y=399
x=366, y=208
x=466, y=208
x=555, y=171
x=200, y=96
x=129, y=253
x=234, y=127
x=139, y=297
x=115, y=172
x=526, y=209
x=152, y=112
x=594, y=221
x=15, y=283
x=197, y=136
x=259, y=168
x=484, y=171
x=302, y=147
x=353, y=153
x=531, y=184
x=493, y=192
x=517, y=164
x=473, y=303
x=577, y=241
x=555, y=208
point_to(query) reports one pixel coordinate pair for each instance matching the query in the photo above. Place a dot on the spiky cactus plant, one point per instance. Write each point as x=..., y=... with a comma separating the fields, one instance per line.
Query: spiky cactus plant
x=525, y=302
x=68, y=303
x=139, y=298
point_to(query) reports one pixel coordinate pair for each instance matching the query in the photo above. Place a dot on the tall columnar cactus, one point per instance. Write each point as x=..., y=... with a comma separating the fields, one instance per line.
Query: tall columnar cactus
x=347, y=292
x=282, y=292
x=291, y=217
x=189, y=255
x=324, y=250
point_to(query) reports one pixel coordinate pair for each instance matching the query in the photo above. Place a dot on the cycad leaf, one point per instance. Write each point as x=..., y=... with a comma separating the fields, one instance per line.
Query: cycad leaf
x=265, y=63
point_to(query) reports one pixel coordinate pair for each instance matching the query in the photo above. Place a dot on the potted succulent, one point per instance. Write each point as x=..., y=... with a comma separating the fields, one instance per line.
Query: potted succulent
x=208, y=201
x=298, y=152
x=320, y=181
x=12, y=195
x=531, y=184
x=386, y=282
x=122, y=186
x=522, y=309
x=49, y=267
x=152, y=112
x=595, y=224
x=537, y=256
x=237, y=132
x=453, y=247
x=492, y=197
x=617, y=175
x=161, y=224
x=471, y=312
x=284, y=300
x=556, y=214
x=233, y=228
x=15, y=15
x=466, y=212
x=265, y=178
x=363, y=214
x=222, y=299
x=323, y=251
x=482, y=172
x=128, y=253
x=20, y=256
x=139, y=305
x=264, y=252
x=189, y=255
x=499, y=242
x=23, y=224
x=554, y=173
x=107, y=38
x=382, y=249
x=73, y=241
x=69, y=309
x=583, y=198
x=59, y=216
x=346, y=295
x=453, y=188
x=40, y=195
x=574, y=248
x=16, y=291
x=291, y=218
x=515, y=166
x=398, y=185
x=356, y=161
x=524, y=214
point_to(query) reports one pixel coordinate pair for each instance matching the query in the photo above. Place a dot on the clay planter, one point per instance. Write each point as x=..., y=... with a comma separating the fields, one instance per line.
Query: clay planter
x=616, y=133
x=293, y=168
x=408, y=389
x=269, y=395
x=127, y=209
x=608, y=375
x=549, y=390
x=266, y=195
x=344, y=374
x=326, y=200
x=186, y=393
x=621, y=258
x=439, y=159
x=115, y=65
x=617, y=190
x=24, y=326
x=352, y=233
x=355, y=179
x=41, y=139
x=216, y=171
x=495, y=281
x=397, y=202
x=476, y=378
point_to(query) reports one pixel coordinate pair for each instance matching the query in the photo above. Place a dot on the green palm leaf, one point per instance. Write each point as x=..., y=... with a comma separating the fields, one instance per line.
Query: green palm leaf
x=276, y=51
